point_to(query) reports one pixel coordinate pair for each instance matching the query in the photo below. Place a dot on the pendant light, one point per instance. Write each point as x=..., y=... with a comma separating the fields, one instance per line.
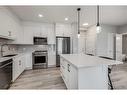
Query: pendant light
x=98, y=23
x=78, y=9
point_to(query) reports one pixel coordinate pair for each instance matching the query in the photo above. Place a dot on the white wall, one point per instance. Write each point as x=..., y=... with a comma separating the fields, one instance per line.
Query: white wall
x=74, y=38
x=101, y=44
x=120, y=44
x=82, y=42
x=105, y=41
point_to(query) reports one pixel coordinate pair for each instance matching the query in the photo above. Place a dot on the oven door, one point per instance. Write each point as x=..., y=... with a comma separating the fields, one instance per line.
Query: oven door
x=5, y=75
x=40, y=59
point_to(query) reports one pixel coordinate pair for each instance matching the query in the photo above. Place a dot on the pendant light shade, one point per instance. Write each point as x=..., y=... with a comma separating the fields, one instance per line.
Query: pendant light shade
x=78, y=9
x=98, y=23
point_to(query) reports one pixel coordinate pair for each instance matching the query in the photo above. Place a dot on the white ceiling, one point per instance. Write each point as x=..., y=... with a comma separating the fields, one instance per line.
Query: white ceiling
x=111, y=15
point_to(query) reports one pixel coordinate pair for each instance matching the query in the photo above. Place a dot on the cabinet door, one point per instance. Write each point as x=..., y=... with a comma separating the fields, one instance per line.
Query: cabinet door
x=63, y=30
x=28, y=61
x=7, y=24
x=67, y=30
x=44, y=30
x=51, y=34
x=64, y=72
x=36, y=31
x=3, y=22
x=51, y=59
x=59, y=28
x=28, y=34
x=72, y=77
x=15, y=69
x=23, y=63
x=18, y=66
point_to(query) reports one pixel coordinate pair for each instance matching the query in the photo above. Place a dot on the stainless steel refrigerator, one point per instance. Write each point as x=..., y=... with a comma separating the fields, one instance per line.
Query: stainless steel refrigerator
x=62, y=47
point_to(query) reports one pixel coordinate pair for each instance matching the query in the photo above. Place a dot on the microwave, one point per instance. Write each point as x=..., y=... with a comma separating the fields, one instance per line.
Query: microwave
x=40, y=40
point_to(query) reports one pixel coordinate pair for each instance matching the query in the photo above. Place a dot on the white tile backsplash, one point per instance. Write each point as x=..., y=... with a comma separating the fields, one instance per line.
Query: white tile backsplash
x=31, y=48
x=8, y=49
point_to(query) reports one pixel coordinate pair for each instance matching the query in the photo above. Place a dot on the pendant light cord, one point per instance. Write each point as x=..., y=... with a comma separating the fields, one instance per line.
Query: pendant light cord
x=78, y=20
x=98, y=24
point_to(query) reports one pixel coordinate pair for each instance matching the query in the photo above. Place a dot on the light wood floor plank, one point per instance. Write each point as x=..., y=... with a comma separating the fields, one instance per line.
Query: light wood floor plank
x=40, y=79
x=50, y=79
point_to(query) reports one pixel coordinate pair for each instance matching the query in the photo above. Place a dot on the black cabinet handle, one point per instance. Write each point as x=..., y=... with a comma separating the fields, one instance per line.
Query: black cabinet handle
x=9, y=33
x=68, y=67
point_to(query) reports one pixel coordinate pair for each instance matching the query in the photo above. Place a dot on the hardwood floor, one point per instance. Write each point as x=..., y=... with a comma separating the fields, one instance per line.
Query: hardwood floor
x=119, y=76
x=50, y=79
x=40, y=79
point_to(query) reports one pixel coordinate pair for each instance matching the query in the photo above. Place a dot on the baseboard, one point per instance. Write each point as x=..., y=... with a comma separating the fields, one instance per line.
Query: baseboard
x=51, y=65
x=28, y=68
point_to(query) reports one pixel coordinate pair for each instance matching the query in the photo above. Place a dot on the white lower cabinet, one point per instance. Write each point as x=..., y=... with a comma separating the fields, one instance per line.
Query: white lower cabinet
x=87, y=77
x=28, y=61
x=69, y=74
x=18, y=66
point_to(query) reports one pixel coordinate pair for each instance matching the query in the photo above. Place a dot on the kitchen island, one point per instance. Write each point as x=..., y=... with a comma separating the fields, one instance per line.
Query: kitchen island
x=80, y=71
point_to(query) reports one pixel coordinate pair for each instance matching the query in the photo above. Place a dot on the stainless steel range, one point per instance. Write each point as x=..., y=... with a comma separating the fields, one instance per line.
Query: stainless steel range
x=40, y=59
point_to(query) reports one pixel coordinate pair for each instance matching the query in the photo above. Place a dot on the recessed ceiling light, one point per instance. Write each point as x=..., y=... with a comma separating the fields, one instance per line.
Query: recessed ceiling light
x=85, y=24
x=66, y=19
x=40, y=15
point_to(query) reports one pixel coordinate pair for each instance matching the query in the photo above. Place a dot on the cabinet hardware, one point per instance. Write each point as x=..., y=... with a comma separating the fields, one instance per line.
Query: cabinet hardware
x=63, y=67
x=68, y=67
x=19, y=62
x=9, y=33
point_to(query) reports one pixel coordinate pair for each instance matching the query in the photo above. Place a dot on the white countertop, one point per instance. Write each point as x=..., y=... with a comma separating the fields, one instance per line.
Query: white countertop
x=4, y=58
x=82, y=60
x=7, y=58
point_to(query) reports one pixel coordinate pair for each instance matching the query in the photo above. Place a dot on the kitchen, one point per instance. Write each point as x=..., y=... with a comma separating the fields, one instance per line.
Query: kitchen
x=33, y=38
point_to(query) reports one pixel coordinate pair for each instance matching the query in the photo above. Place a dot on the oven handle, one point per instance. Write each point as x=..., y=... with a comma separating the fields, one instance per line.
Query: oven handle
x=40, y=55
x=5, y=65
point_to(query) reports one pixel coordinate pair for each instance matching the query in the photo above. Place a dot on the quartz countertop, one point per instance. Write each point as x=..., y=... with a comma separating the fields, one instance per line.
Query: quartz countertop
x=4, y=59
x=83, y=60
x=7, y=58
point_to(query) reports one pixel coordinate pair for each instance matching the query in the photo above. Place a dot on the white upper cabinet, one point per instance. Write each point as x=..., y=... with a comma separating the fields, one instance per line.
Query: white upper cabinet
x=28, y=34
x=36, y=31
x=63, y=30
x=51, y=34
x=44, y=30
x=7, y=24
x=40, y=30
